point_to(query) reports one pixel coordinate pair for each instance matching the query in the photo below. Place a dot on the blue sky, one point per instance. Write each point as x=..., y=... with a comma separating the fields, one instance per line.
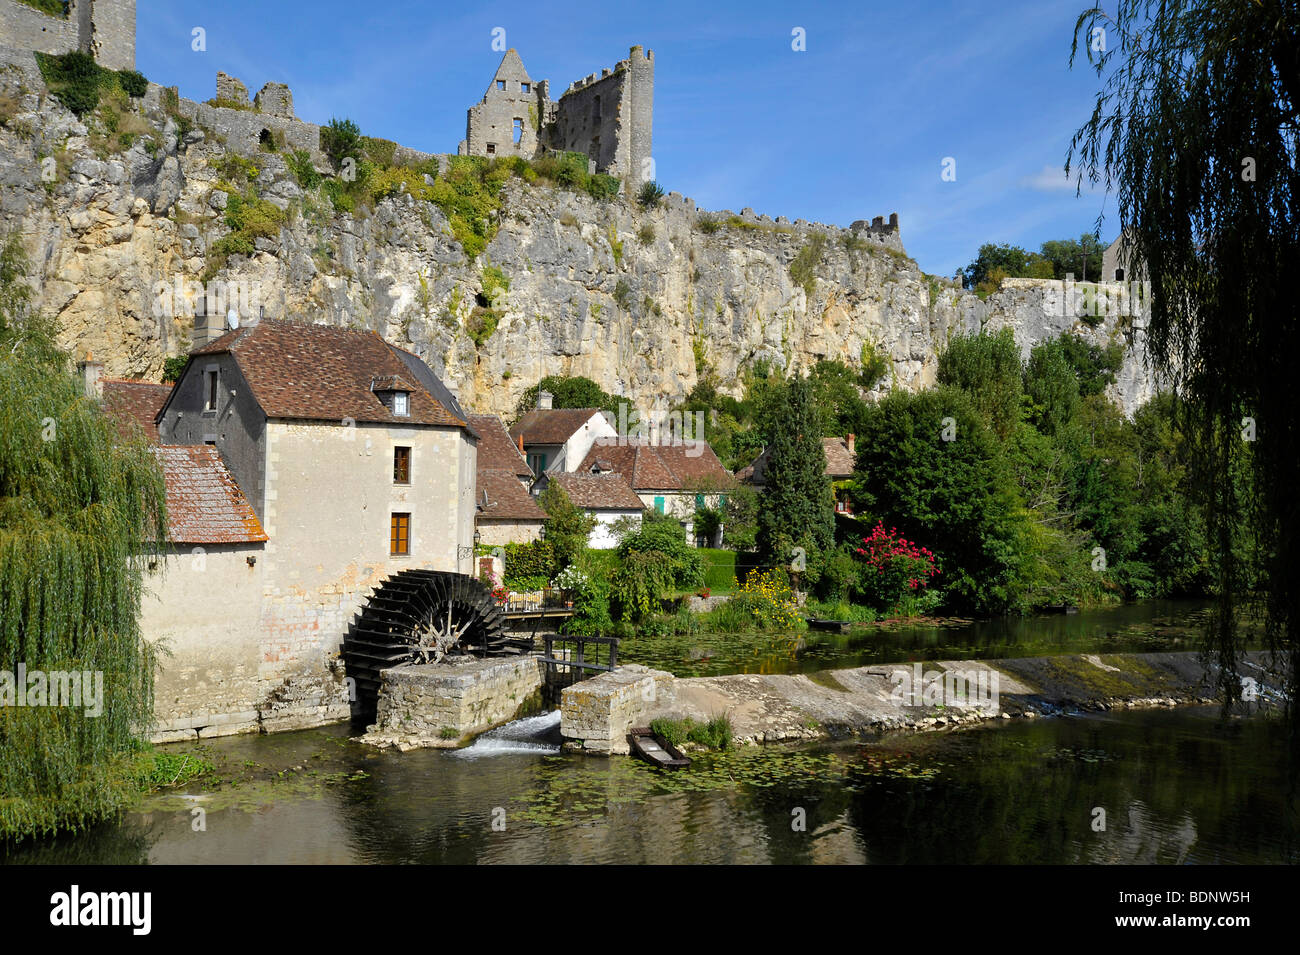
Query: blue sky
x=855, y=126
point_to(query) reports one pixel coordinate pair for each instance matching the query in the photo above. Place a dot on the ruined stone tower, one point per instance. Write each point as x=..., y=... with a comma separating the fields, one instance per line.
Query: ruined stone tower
x=103, y=28
x=609, y=117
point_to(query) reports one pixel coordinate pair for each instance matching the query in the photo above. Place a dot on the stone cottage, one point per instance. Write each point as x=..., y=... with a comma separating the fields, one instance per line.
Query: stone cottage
x=304, y=464
x=558, y=439
x=607, y=498
x=673, y=478
x=506, y=512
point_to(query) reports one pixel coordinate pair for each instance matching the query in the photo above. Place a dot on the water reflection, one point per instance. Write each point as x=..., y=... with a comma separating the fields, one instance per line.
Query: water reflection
x=1146, y=627
x=1176, y=786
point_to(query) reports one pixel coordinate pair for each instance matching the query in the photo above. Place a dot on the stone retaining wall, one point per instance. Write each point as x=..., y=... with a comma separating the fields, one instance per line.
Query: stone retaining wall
x=421, y=706
x=596, y=714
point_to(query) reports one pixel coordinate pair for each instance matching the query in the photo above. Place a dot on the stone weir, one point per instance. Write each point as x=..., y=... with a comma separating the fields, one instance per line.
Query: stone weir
x=597, y=714
x=443, y=705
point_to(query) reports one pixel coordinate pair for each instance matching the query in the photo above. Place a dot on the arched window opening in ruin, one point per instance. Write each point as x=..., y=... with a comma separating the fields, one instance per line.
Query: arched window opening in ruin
x=264, y=139
x=1119, y=275
x=517, y=133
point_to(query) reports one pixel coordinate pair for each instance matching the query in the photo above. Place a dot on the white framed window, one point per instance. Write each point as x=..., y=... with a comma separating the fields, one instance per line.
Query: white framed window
x=210, y=384
x=401, y=403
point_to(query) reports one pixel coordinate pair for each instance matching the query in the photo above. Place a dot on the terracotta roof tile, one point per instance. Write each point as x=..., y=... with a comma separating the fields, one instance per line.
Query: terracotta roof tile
x=506, y=498
x=496, y=451
x=657, y=467
x=204, y=504
x=134, y=404
x=599, y=492
x=551, y=425
x=324, y=373
x=839, y=462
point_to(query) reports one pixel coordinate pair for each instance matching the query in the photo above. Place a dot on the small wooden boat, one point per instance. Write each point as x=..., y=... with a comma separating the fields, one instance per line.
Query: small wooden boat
x=655, y=750
x=834, y=626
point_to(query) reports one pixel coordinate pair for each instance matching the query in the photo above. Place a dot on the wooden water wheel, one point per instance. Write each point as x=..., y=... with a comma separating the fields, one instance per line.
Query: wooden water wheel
x=421, y=616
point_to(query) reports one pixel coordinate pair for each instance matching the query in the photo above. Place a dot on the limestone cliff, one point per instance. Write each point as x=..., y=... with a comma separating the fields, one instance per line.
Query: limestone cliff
x=642, y=301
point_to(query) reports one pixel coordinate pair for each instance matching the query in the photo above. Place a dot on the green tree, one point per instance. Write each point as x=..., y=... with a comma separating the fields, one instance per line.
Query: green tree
x=567, y=526
x=570, y=392
x=1051, y=387
x=1094, y=366
x=1079, y=257
x=652, y=562
x=1194, y=131
x=836, y=395
x=929, y=465
x=1008, y=259
x=798, y=508
x=987, y=367
x=340, y=140
x=80, y=513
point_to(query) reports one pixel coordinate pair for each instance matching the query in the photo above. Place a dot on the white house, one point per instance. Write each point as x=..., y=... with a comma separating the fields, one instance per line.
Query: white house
x=557, y=439
x=606, y=497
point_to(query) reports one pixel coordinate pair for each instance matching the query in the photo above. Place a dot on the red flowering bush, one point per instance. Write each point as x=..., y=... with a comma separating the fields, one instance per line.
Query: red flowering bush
x=895, y=570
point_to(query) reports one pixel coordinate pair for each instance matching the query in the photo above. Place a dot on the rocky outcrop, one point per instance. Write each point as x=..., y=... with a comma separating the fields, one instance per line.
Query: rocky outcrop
x=642, y=301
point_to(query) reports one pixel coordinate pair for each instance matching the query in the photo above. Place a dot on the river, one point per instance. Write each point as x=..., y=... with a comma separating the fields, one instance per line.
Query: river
x=1176, y=786
x=1157, y=786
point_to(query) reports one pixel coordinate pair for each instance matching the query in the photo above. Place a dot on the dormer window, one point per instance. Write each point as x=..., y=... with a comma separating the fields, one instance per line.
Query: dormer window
x=394, y=392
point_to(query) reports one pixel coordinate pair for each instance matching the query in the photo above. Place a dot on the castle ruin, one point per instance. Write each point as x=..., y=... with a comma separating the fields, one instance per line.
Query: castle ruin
x=607, y=117
x=103, y=28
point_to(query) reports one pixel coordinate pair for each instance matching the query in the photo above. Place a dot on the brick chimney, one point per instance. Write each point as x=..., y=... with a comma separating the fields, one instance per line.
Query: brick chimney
x=521, y=444
x=92, y=374
x=850, y=442
x=544, y=399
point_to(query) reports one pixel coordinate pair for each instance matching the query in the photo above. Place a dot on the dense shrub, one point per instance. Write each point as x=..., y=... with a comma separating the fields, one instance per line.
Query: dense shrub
x=650, y=194
x=535, y=559
x=339, y=140
x=567, y=526
x=133, y=83
x=894, y=568
x=653, y=562
x=74, y=78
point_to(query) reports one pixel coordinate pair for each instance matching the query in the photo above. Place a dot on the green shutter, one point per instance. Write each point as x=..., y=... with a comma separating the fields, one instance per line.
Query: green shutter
x=659, y=504
x=699, y=500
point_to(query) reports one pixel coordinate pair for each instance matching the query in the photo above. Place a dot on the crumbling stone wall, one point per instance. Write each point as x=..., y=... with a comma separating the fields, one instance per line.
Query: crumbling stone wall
x=513, y=103
x=103, y=28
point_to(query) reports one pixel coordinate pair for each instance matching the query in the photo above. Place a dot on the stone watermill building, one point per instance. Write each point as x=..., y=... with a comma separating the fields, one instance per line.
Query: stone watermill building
x=305, y=465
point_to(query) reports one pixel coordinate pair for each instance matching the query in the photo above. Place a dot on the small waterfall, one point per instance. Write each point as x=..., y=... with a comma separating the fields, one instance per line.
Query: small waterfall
x=533, y=734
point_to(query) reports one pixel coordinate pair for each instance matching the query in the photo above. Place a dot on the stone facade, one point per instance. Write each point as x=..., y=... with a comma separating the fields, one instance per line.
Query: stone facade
x=257, y=630
x=609, y=117
x=103, y=28
x=421, y=706
x=596, y=714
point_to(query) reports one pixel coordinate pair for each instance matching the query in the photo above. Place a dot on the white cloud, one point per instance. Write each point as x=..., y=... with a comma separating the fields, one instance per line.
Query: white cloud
x=1052, y=178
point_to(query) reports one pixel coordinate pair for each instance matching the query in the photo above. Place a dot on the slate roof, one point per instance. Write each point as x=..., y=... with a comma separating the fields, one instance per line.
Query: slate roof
x=496, y=451
x=599, y=492
x=839, y=463
x=324, y=373
x=506, y=498
x=133, y=404
x=657, y=467
x=204, y=504
x=551, y=425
